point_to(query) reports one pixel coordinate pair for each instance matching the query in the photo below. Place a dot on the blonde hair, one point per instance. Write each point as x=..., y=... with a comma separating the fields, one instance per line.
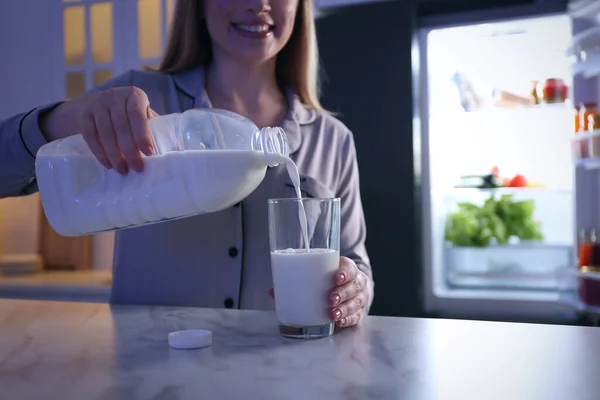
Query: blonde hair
x=297, y=64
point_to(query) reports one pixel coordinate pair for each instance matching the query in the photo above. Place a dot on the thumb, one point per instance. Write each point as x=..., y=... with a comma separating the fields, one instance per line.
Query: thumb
x=150, y=113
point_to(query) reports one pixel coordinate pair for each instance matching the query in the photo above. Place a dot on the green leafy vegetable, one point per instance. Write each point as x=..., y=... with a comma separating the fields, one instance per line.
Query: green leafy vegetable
x=474, y=226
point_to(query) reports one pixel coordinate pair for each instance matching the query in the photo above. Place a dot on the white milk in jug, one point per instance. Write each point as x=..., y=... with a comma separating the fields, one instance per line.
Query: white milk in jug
x=81, y=196
x=205, y=160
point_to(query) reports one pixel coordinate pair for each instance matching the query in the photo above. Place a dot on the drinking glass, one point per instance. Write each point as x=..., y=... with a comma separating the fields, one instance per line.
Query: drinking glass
x=303, y=270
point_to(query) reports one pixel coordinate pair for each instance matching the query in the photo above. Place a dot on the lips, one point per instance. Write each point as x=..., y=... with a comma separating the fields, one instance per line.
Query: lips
x=254, y=30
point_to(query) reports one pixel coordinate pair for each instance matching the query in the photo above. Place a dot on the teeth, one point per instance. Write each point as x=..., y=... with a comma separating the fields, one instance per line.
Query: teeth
x=254, y=28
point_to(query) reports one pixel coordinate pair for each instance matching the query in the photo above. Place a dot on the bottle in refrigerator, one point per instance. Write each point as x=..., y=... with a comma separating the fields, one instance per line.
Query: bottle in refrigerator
x=585, y=111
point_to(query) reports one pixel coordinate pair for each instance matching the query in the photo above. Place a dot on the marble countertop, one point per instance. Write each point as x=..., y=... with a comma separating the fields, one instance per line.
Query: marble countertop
x=93, y=285
x=62, y=350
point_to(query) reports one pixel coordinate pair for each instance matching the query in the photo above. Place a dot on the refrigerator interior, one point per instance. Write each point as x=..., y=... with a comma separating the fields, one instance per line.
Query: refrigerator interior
x=482, y=116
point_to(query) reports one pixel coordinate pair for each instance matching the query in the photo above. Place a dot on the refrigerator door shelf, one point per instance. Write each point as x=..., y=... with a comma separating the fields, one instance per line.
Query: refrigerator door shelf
x=569, y=290
x=516, y=267
x=586, y=149
x=584, y=50
x=589, y=68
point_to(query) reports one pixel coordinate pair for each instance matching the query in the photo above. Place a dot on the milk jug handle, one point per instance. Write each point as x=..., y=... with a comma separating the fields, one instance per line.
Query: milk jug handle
x=272, y=142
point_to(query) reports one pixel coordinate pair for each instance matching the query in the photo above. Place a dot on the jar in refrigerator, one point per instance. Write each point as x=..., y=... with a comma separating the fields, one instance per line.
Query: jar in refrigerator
x=554, y=91
x=588, y=114
x=580, y=147
x=589, y=249
x=589, y=285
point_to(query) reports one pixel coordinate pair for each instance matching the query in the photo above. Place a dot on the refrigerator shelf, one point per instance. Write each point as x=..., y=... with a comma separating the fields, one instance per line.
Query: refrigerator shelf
x=572, y=300
x=589, y=68
x=584, y=50
x=586, y=149
x=568, y=291
x=588, y=163
x=519, y=266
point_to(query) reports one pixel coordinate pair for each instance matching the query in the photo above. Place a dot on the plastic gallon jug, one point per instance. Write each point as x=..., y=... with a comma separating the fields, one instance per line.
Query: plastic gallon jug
x=204, y=160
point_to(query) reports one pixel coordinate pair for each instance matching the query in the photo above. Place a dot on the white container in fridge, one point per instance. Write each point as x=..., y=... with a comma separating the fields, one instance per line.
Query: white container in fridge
x=514, y=266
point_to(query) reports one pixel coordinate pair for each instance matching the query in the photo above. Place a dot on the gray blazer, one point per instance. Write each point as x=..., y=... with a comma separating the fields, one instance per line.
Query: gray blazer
x=212, y=260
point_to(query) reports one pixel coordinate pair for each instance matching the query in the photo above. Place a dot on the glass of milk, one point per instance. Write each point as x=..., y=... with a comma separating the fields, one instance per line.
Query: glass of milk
x=303, y=270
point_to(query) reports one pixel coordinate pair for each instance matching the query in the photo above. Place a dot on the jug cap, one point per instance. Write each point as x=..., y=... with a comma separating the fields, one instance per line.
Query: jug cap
x=272, y=142
x=190, y=339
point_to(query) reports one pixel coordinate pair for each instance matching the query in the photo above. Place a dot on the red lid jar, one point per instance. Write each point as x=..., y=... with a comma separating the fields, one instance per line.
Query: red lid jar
x=554, y=91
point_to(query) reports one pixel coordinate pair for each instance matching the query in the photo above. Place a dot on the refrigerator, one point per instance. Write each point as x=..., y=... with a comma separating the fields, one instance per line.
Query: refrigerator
x=506, y=183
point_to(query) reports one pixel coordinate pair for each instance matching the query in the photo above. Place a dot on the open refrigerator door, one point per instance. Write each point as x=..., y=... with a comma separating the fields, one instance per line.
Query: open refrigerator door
x=580, y=281
x=499, y=194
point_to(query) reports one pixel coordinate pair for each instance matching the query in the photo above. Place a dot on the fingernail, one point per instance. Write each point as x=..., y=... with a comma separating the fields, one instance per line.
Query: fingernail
x=106, y=163
x=122, y=168
x=335, y=299
x=341, y=277
x=149, y=151
x=137, y=165
x=337, y=314
x=342, y=321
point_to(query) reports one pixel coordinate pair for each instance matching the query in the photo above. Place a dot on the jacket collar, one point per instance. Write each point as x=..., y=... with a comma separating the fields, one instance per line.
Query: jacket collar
x=192, y=83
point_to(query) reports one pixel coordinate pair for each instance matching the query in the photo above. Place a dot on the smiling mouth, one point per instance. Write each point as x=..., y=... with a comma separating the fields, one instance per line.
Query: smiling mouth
x=254, y=29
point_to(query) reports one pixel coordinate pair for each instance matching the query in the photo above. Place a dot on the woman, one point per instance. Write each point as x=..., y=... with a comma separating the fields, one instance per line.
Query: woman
x=257, y=58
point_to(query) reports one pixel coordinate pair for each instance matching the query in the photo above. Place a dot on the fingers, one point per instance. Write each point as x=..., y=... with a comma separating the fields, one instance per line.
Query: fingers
x=115, y=128
x=108, y=139
x=138, y=107
x=150, y=113
x=124, y=137
x=346, y=272
x=348, y=290
x=349, y=298
x=348, y=308
x=92, y=138
x=351, y=320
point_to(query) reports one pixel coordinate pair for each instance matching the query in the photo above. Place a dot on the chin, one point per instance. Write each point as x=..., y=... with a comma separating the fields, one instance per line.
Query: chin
x=254, y=58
